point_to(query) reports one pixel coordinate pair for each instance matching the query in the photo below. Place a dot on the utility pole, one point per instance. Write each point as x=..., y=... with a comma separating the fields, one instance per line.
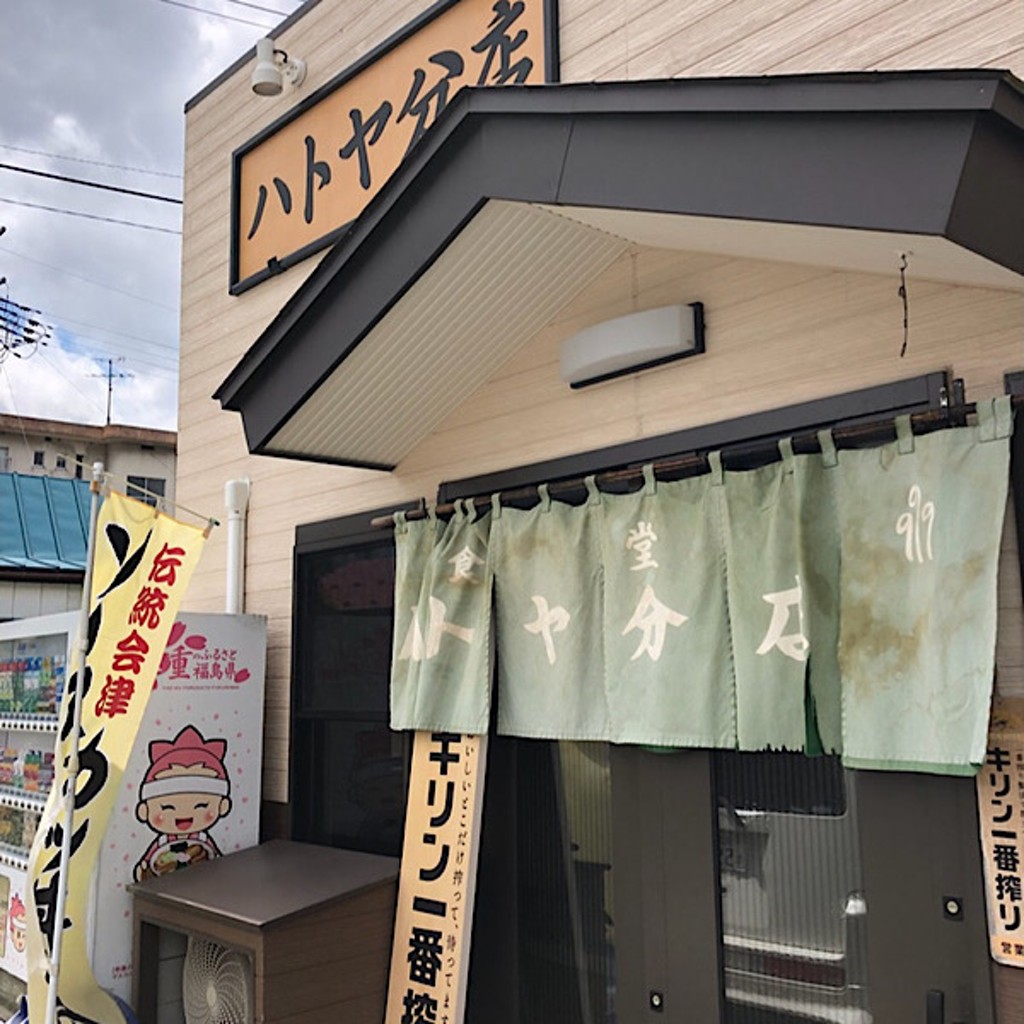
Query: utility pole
x=111, y=377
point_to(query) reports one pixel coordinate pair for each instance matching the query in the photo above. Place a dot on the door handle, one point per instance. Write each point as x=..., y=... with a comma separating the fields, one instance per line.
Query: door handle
x=935, y=1007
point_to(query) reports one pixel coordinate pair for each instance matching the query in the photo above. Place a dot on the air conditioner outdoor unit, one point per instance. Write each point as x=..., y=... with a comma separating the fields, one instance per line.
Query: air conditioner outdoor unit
x=271, y=934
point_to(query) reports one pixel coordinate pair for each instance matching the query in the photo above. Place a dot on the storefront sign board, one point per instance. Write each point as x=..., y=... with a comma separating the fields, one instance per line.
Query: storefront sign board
x=1001, y=813
x=297, y=184
x=434, y=918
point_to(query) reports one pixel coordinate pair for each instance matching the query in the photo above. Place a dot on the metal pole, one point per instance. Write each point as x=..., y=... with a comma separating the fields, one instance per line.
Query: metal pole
x=68, y=818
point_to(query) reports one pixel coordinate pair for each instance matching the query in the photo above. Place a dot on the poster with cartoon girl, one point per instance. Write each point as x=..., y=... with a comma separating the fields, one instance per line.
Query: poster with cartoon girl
x=185, y=792
x=191, y=788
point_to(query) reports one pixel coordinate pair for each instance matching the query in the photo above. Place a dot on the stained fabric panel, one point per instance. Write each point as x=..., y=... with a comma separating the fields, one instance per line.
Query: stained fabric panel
x=766, y=600
x=920, y=522
x=549, y=600
x=666, y=627
x=842, y=602
x=441, y=664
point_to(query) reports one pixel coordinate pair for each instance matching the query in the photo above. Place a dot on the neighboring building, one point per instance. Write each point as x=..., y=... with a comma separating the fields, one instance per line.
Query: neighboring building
x=44, y=527
x=417, y=359
x=140, y=459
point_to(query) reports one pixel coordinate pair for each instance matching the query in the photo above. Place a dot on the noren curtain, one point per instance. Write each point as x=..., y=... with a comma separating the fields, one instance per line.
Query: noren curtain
x=841, y=601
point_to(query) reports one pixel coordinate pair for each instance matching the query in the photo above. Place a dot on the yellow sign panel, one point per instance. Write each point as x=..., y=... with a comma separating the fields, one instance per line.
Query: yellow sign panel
x=141, y=568
x=1001, y=812
x=434, y=918
x=298, y=183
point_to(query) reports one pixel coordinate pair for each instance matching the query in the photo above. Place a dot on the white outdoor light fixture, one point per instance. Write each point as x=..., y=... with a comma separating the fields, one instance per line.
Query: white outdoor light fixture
x=633, y=342
x=272, y=67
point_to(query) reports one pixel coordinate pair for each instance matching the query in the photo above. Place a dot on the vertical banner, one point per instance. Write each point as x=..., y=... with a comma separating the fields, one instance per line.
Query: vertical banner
x=434, y=919
x=1001, y=815
x=142, y=563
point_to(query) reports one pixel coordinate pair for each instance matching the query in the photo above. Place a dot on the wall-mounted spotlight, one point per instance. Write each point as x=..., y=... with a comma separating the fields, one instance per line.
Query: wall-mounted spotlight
x=633, y=342
x=273, y=67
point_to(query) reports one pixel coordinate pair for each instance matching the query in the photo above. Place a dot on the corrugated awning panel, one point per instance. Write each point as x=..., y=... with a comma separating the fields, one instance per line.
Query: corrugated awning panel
x=41, y=523
x=500, y=281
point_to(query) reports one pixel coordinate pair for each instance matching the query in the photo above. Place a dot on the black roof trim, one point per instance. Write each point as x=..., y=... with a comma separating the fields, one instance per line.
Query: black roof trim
x=932, y=152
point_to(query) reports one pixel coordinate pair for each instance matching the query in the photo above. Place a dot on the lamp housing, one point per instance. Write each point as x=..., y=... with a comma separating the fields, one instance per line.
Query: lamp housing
x=636, y=341
x=273, y=67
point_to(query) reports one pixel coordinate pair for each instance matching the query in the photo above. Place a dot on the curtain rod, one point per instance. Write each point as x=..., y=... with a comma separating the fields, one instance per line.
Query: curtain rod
x=696, y=463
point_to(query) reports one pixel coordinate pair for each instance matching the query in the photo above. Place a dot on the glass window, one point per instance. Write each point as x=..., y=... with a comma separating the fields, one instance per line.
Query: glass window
x=39, y=458
x=792, y=902
x=149, y=489
x=544, y=925
x=348, y=769
x=349, y=783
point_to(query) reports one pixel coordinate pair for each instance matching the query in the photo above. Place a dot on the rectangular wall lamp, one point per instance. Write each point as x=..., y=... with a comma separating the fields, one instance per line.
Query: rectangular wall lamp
x=633, y=342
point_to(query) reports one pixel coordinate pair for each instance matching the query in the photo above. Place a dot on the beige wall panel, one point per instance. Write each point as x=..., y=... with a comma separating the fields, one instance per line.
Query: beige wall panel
x=709, y=38
x=583, y=27
x=275, y=783
x=953, y=34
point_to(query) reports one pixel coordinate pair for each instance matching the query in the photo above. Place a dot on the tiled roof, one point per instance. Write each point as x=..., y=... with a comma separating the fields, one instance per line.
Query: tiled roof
x=44, y=522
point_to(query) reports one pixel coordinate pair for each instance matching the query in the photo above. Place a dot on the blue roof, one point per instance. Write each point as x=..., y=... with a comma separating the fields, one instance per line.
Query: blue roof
x=44, y=522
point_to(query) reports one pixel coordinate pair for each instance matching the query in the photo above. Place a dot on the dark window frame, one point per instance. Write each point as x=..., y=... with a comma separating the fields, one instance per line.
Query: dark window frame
x=149, y=489
x=327, y=537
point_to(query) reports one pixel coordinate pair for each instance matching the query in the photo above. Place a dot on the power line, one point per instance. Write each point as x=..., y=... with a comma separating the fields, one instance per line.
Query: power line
x=90, y=184
x=214, y=14
x=90, y=216
x=90, y=345
x=60, y=321
x=94, y=163
x=89, y=280
x=53, y=366
x=257, y=7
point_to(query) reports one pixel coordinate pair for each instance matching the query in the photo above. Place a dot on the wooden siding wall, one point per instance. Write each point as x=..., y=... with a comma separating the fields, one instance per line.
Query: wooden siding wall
x=777, y=333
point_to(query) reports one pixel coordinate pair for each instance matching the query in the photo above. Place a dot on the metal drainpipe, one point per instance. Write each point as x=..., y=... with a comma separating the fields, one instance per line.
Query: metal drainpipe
x=236, y=498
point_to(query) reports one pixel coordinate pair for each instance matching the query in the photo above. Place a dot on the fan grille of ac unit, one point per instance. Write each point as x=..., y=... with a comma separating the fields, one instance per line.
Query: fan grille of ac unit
x=216, y=984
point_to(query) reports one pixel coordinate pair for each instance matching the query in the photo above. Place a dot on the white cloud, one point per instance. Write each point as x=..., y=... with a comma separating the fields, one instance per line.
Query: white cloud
x=67, y=135
x=55, y=383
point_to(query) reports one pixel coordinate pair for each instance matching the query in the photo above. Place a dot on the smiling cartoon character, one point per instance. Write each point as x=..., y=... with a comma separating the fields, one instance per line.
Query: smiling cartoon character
x=185, y=792
x=16, y=916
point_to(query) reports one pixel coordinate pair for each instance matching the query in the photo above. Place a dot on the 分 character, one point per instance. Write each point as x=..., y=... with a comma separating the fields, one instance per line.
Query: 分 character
x=185, y=792
x=16, y=917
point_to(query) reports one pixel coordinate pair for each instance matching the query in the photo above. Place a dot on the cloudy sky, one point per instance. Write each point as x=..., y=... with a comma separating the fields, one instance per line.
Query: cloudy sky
x=95, y=89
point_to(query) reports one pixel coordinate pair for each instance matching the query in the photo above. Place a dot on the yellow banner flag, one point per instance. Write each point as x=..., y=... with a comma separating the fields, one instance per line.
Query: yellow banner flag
x=142, y=563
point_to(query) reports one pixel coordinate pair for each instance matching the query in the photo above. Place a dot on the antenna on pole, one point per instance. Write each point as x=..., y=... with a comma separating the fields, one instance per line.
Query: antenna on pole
x=111, y=377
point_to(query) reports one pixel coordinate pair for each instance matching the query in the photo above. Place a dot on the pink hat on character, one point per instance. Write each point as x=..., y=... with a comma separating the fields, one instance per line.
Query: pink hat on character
x=17, y=913
x=188, y=764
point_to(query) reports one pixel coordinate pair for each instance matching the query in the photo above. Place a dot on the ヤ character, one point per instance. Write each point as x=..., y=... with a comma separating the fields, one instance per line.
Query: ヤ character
x=185, y=792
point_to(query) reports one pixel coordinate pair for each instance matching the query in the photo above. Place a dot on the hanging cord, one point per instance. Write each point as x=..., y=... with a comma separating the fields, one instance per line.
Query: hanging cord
x=902, y=293
x=163, y=503
x=696, y=463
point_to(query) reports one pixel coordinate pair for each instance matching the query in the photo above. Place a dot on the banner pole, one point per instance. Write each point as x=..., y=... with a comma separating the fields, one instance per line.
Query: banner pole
x=68, y=817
